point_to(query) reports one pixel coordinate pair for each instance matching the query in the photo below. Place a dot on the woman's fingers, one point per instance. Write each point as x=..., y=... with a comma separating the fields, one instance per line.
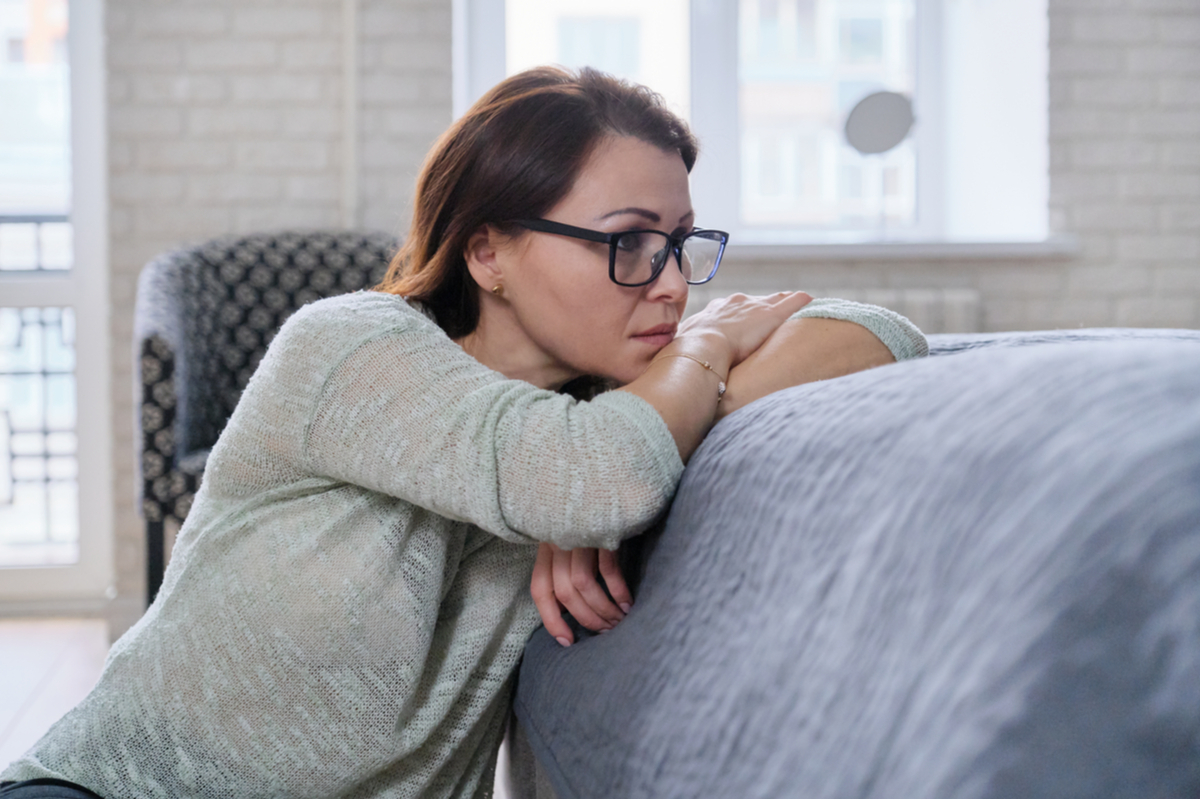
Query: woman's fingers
x=541, y=586
x=746, y=321
x=569, y=594
x=796, y=297
x=610, y=570
x=583, y=578
x=568, y=579
x=784, y=304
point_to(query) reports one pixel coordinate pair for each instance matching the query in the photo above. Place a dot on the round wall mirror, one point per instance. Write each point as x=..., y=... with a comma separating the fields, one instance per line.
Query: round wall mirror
x=879, y=122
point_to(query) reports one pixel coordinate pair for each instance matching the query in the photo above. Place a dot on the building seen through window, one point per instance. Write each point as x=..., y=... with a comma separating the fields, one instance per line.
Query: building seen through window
x=645, y=42
x=35, y=95
x=802, y=66
x=39, y=520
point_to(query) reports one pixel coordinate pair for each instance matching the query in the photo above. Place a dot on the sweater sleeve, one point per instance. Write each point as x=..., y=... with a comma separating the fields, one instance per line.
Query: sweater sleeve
x=408, y=413
x=903, y=338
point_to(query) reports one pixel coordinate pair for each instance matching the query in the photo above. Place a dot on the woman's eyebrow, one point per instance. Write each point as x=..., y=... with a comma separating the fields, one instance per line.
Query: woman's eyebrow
x=641, y=212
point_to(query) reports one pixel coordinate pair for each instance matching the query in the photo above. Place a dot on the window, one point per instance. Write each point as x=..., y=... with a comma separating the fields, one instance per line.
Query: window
x=55, y=497
x=39, y=522
x=802, y=65
x=767, y=85
x=646, y=42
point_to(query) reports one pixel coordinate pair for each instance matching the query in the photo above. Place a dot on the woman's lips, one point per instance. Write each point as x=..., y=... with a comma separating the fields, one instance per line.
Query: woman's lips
x=658, y=336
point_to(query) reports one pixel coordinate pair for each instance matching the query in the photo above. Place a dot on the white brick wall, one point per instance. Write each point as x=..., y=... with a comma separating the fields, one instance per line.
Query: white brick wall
x=404, y=96
x=226, y=116
x=1124, y=129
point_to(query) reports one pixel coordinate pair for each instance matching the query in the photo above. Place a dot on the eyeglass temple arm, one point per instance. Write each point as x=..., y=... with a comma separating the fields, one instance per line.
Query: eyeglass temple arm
x=546, y=226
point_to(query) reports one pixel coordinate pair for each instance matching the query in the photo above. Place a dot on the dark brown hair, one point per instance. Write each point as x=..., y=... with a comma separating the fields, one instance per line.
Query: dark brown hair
x=514, y=155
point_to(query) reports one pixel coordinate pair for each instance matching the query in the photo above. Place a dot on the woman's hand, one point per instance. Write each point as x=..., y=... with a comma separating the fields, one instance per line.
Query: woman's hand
x=567, y=579
x=744, y=321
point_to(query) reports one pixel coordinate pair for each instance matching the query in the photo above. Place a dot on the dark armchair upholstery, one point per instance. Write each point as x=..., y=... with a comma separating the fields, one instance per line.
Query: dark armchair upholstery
x=205, y=316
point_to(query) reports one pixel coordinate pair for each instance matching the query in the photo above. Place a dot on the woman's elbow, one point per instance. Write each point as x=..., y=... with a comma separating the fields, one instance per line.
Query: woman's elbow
x=603, y=518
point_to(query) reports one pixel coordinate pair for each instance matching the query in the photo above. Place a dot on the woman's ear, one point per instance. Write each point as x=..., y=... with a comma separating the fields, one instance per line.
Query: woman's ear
x=482, y=257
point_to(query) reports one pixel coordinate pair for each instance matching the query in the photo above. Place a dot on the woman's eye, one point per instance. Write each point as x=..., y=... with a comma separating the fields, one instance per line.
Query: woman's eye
x=630, y=242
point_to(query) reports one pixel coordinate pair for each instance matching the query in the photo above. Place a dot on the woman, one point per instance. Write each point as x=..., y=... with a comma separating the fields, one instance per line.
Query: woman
x=349, y=596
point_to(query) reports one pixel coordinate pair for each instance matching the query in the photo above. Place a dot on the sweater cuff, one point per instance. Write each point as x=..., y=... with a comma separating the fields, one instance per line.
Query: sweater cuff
x=900, y=336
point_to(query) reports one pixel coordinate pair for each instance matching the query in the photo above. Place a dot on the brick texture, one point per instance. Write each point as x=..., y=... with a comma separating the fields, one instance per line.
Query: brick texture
x=1121, y=181
x=404, y=96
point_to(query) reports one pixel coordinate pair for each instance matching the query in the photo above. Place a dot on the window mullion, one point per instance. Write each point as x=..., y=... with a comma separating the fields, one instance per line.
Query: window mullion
x=716, y=180
x=928, y=132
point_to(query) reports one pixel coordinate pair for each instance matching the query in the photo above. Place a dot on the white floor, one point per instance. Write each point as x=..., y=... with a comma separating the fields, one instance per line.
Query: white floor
x=46, y=667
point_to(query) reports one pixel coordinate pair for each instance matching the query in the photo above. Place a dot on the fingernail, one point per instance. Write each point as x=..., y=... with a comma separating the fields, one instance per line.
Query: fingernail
x=605, y=630
x=625, y=607
x=563, y=641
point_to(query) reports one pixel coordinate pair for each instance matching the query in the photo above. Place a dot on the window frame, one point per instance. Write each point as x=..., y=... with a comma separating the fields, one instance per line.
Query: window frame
x=479, y=62
x=87, y=585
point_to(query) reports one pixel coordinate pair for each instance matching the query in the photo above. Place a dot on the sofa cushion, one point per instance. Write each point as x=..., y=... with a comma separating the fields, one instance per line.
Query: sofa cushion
x=974, y=574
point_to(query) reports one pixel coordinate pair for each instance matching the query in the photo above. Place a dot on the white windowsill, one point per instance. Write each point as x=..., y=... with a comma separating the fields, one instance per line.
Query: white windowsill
x=744, y=248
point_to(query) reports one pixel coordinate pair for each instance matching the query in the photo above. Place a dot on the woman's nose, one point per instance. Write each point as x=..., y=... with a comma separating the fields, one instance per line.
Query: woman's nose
x=669, y=284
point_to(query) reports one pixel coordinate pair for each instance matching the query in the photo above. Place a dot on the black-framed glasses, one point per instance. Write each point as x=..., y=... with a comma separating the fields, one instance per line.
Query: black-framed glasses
x=636, y=258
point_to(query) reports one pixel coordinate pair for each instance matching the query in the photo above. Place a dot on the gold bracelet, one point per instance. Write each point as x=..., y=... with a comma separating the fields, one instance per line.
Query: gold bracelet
x=703, y=363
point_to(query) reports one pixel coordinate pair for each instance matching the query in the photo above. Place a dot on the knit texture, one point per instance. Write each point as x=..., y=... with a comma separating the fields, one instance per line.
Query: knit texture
x=349, y=595
x=903, y=338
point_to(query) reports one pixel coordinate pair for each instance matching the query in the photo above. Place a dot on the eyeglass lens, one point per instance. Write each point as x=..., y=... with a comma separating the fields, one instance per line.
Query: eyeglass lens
x=639, y=257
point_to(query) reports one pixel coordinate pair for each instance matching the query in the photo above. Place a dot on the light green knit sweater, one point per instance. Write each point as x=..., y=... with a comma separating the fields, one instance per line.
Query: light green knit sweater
x=349, y=597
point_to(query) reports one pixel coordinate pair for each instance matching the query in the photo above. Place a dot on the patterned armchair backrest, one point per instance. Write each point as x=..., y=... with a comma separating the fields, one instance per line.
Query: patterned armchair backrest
x=230, y=296
x=205, y=316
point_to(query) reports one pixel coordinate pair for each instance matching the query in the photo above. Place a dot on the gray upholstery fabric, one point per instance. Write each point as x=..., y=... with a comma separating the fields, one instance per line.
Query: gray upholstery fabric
x=975, y=574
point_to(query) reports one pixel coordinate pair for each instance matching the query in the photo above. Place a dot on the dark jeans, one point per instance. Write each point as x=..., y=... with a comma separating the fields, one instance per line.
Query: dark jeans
x=43, y=787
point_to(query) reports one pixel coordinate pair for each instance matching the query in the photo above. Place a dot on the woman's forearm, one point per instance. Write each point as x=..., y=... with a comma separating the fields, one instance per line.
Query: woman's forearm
x=678, y=388
x=828, y=338
x=801, y=351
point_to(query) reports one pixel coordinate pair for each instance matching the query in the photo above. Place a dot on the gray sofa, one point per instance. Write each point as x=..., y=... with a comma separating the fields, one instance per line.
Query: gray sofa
x=975, y=574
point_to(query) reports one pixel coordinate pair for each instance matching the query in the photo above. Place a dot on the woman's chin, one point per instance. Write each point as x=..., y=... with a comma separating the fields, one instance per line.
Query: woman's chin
x=628, y=374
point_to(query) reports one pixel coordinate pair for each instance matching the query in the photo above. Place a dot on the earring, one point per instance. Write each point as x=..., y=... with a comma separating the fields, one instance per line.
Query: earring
x=498, y=290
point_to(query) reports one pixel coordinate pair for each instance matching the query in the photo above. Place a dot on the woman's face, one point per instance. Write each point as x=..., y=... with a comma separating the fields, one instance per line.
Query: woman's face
x=557, y=291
